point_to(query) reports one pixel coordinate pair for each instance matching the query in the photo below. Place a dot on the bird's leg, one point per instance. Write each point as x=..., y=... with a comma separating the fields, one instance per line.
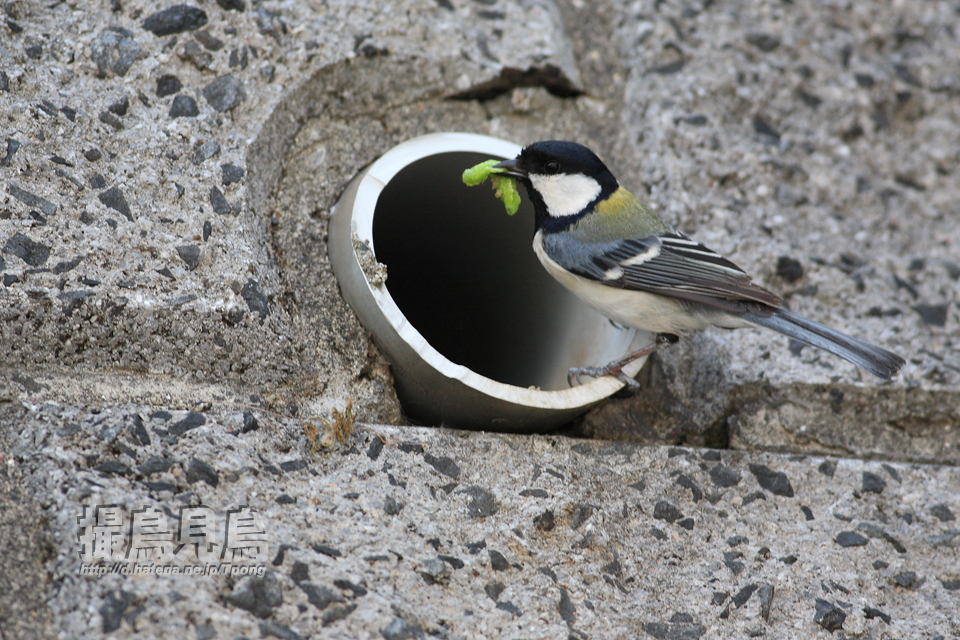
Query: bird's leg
x=615, y=368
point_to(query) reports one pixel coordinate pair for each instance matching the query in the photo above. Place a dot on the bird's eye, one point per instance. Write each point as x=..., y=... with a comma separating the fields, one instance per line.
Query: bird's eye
x=552, y=167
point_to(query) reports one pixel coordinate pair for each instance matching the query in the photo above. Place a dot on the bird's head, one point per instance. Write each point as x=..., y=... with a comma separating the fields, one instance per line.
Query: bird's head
x=564, y=180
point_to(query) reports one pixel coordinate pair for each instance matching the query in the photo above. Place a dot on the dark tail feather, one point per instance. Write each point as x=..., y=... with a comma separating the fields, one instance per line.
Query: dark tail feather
x=877, y=361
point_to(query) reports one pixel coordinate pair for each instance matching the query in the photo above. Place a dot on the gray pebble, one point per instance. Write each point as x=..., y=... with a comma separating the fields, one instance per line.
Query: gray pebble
x=33, y=253
x=225, y=93
x=766, y=42
x=200, y=470
x=436, y=571
x=190, y=254
x=12, y=146
x=31, y=200
x=114, y=52
x=259, y=596
x=111, y=119
x=231, y=173
x=850, y=539
x=775, y=482
x=206, y=151
x=175, y=19
x=232, y=5
x=184, y=107
x=829, y=616
x=167, y=85
x=219, y=202
x=114, y=199
x=872, y=483
x=255, y=298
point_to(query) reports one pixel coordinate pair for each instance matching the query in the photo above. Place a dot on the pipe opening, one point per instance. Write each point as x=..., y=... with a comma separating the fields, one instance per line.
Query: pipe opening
x=465, y=276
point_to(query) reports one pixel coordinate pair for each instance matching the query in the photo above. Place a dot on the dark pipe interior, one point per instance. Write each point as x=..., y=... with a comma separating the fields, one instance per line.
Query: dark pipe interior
x=464, y=274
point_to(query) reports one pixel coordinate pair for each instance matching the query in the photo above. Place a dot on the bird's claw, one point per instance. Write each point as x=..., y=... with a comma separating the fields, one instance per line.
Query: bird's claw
x=576, y=373
x=631, y=385
x=615, y=368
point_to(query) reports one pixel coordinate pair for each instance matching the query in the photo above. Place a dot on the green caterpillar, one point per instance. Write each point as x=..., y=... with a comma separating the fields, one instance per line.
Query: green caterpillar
x=505, y=186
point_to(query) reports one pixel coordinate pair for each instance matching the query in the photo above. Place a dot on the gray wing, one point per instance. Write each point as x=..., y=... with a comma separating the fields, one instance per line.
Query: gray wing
x=669, y=264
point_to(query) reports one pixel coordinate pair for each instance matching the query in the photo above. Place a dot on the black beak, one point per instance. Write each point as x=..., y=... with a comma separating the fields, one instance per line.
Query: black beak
x=512, y=169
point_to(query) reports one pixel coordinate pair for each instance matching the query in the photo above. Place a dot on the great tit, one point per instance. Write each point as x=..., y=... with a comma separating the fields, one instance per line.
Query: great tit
x=614, y=253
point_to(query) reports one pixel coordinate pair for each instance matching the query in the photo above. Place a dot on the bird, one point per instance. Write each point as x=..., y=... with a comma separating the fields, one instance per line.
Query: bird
x=616, y=254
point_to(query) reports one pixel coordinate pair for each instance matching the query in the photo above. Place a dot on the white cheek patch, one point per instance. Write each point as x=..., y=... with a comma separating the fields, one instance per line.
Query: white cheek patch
x=565, y=194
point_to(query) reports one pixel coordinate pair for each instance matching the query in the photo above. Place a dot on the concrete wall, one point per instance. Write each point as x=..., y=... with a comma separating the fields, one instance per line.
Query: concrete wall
x=170, y=324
